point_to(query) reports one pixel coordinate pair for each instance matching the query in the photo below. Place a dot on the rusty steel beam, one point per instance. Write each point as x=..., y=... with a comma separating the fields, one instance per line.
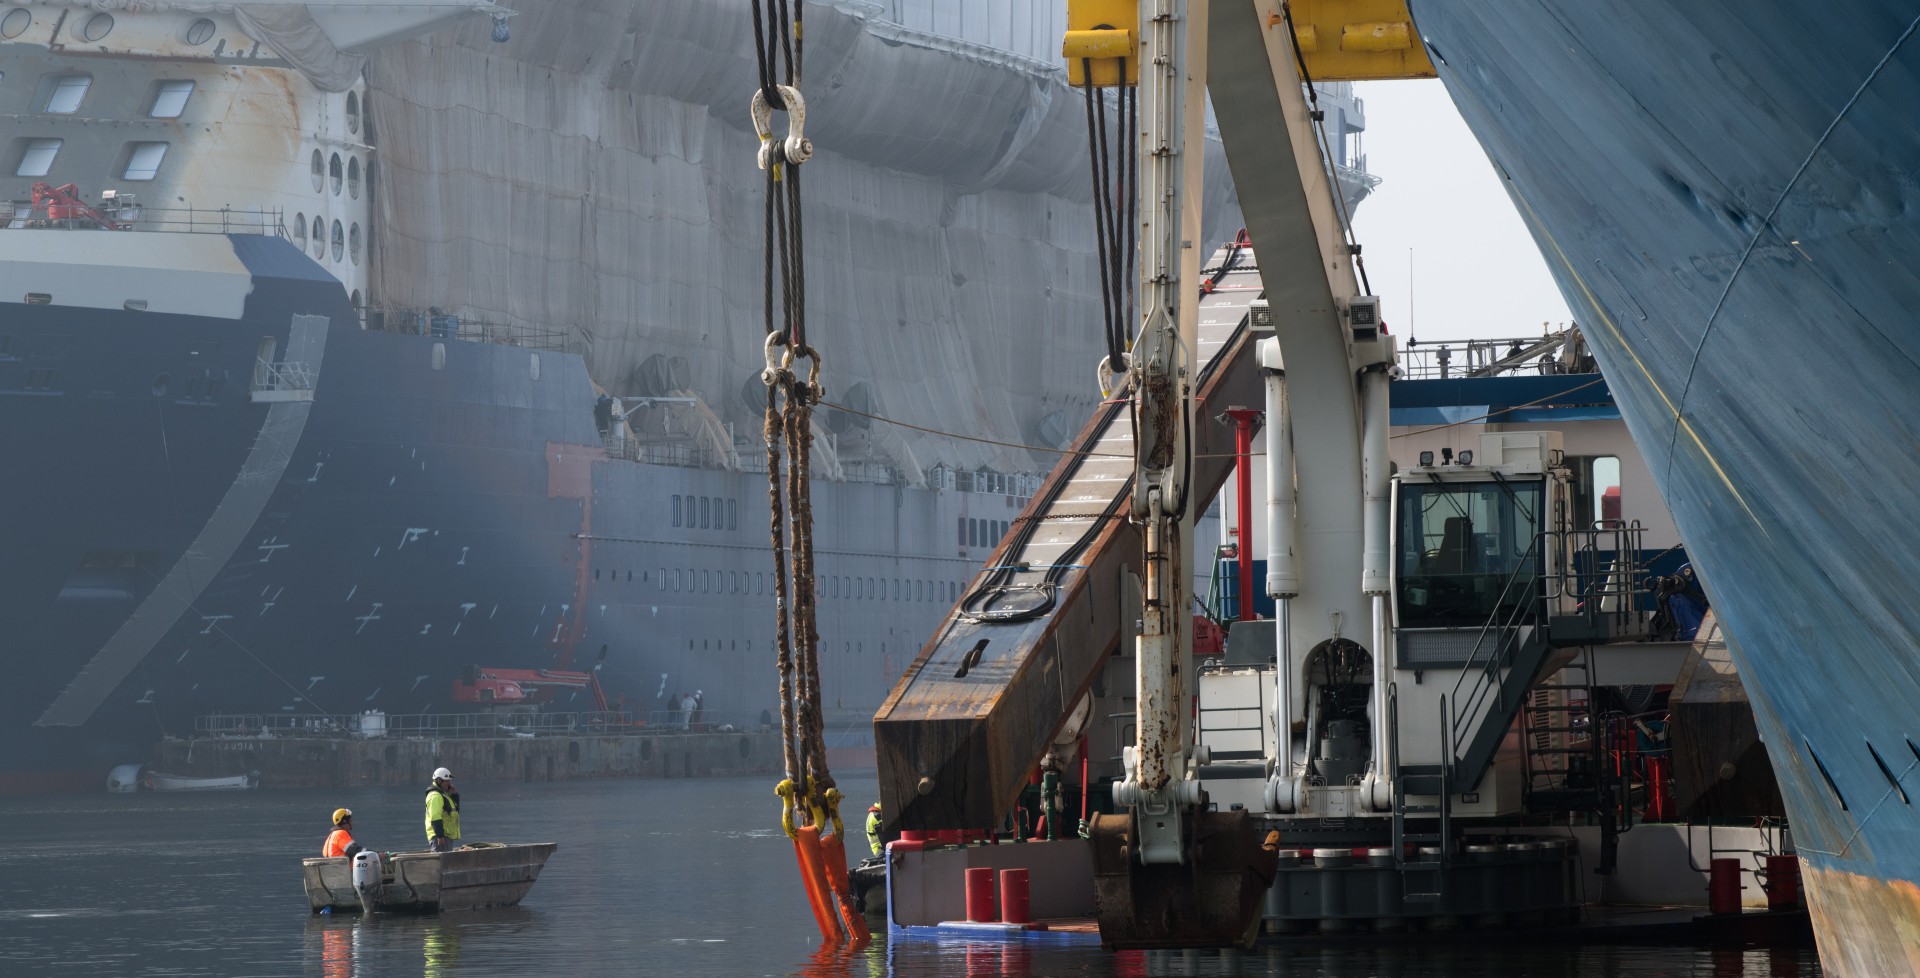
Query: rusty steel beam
x=980, y=705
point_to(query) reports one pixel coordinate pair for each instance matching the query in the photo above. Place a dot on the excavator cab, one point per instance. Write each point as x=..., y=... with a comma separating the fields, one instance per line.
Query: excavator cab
x=1469, y=546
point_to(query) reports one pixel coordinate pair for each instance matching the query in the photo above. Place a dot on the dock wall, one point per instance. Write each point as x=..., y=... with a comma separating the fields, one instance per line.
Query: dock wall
x=336, y=762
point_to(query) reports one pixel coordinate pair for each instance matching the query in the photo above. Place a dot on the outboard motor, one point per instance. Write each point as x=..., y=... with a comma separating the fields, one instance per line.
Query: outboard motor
x=366, y=879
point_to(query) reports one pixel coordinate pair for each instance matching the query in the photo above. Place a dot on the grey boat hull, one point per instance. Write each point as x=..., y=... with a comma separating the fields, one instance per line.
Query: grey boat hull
x=431, y=882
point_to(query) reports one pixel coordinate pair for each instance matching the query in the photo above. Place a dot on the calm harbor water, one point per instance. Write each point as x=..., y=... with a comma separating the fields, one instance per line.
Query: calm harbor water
x=670, y=878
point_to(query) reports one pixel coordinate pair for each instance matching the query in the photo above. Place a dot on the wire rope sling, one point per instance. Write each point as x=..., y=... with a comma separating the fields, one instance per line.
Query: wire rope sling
x=809, y=801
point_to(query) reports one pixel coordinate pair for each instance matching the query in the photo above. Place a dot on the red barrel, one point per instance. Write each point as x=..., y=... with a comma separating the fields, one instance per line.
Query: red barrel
x=911, y=840
x=1723, y=886
x=1783, y=882
x=1014, y=908
x=980, y=895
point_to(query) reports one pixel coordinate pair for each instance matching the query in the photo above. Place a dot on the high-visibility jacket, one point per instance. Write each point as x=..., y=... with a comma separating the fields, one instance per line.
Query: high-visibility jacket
x=445, y=809
x=337, y=844
x=873, y=831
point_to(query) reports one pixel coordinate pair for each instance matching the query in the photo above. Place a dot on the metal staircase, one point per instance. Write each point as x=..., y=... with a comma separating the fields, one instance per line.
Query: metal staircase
x=1565, y=747
x=1424, y=876
x=1508, y=658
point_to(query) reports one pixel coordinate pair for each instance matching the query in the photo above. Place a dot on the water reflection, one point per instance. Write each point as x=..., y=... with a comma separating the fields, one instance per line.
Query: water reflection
x=1487, y=956
x=352, y=946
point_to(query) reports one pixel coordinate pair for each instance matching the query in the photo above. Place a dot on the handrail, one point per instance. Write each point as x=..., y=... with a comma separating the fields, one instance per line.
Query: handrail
x=124, y=214
x=456, y=726
x=1531, y=608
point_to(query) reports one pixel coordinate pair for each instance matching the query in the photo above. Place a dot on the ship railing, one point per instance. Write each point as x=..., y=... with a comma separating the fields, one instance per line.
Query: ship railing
x=1603, y=575
x=706, y=721
x=466, y=726
x=282, y=380
x=122, y=214
x=1561, y=352
x=426, y=322
x=1019, y=485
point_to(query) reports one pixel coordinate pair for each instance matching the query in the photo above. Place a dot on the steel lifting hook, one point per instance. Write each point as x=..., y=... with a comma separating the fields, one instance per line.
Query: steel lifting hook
x=796, y=148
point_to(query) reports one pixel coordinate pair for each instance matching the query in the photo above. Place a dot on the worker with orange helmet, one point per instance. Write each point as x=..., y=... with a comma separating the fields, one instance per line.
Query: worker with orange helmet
x=340, y=840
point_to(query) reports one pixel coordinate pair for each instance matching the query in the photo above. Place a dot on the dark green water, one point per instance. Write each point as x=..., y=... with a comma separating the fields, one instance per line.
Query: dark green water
x=669, y=878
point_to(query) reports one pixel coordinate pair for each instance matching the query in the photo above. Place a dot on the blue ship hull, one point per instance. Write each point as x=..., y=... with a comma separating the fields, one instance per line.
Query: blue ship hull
x=1724, y=192
x=442, y=504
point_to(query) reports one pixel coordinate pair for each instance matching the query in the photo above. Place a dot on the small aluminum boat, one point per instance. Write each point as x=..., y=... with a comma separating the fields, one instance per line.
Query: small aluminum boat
x=483, y=874
x=156, y=781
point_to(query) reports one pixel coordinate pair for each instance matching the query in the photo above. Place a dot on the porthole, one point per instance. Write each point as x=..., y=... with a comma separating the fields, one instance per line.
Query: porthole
x=36, y=159
x=339, y=241
x=353, y=112
x=353, y=243
x=353, y=177
x=96, y=27
x=143, y=161
x=354, y=297
x=170, y=99
x=15, y=23
x=336, y=173
x=300, y=231
x=319, y=171
x=67, y=92
x=319, y=237
x=199, y=32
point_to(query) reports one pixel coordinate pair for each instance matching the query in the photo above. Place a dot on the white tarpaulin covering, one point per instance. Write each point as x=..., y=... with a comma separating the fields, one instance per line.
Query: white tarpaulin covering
x=597, y=174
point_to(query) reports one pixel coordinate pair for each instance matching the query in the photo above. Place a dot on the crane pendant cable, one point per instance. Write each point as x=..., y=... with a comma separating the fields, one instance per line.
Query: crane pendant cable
x=809, y=801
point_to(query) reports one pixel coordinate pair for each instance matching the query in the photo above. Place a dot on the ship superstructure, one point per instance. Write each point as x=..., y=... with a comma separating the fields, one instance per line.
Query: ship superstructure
x=312, y=442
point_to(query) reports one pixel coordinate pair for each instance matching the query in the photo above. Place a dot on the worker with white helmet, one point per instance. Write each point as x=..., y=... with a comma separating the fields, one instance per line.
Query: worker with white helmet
x=443, y=813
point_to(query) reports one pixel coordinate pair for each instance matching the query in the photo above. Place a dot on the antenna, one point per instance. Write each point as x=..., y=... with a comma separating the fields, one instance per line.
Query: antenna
x=1410, y=331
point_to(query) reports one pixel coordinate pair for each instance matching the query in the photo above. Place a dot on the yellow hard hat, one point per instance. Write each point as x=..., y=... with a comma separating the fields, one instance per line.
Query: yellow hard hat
x=341, y=815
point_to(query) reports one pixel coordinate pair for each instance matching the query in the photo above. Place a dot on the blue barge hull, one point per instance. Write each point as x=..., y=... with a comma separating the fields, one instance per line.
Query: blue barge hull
x=1725, y=192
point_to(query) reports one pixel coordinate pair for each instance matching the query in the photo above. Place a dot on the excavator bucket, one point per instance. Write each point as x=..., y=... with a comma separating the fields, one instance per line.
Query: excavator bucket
x=1214, y=899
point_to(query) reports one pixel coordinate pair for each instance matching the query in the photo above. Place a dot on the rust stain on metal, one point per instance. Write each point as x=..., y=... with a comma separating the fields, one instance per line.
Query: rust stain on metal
x=1866, y=927
x=1214, y=900
x=570, y=476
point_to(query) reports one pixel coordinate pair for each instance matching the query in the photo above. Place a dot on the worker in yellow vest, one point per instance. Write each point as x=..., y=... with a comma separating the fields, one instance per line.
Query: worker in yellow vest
x=443, y=813
x=873, y=828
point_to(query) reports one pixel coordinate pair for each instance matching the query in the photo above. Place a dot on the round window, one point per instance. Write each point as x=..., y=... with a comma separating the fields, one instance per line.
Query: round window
x=96, y=27
x=353, y=243
x=199, y=32
x=353, y=177
x=300, y=231
x=354, y=297
x=353, y=112
x=335, y=173
x=319, y=237
x=319, y=171
x=15, y=23
x=339, y=241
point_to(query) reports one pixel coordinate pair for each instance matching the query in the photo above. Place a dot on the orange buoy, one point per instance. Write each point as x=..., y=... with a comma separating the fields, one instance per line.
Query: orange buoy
x=833, y=859
x=806, y=847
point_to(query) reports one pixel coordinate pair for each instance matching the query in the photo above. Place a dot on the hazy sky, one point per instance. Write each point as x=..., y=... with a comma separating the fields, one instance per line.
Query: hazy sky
x=1476, y=272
